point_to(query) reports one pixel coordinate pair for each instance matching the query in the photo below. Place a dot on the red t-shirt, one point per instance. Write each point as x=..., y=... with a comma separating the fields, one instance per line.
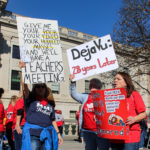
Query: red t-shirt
x=9, y=117
x=2, y=115
x=135, y=105
x=89, y=122
x=19, y=105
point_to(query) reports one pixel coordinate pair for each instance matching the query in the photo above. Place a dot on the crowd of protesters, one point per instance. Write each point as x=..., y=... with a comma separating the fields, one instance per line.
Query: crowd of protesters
x=32, y=123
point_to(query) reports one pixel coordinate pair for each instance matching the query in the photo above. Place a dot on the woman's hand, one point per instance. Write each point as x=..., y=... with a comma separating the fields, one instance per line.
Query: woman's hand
x=72, y=76
x=60, y=140
x=130, y=120
x=21, y=64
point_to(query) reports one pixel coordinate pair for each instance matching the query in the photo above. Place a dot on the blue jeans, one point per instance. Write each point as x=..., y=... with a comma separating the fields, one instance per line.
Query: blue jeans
x=1, y=140
x=125, y=146
x=92, y=141
x=18, y=140
x=36, y=143
x=143, y=138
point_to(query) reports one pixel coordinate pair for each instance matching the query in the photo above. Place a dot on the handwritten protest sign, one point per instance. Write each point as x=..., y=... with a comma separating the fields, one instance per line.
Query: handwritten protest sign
x=91, y=58
x=111, y=113
x=40, y=49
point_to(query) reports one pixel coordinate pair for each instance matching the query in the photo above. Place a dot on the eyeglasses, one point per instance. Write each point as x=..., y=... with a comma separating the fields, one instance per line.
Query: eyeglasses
x=40, y=86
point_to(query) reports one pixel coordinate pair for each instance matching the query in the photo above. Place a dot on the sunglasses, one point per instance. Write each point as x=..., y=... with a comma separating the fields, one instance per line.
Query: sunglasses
x=40, y=86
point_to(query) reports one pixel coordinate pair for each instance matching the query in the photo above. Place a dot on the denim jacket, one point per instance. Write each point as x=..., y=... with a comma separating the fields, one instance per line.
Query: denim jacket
x=81, y=98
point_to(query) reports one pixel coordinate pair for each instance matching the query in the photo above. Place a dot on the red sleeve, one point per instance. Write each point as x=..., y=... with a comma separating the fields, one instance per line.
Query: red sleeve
x=139, y=103
x=19, y=104
x=2, y=115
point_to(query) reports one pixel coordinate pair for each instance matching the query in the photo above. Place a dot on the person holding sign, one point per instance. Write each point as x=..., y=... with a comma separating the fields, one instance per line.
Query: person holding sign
x=87, y=119
x=136, y=112
x=40, y=131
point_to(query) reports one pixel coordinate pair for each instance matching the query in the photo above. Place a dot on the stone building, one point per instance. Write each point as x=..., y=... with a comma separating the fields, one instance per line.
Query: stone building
x=10, y=77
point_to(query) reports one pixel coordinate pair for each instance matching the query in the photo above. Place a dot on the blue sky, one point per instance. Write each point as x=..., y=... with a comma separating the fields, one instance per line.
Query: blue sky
x=95, y=17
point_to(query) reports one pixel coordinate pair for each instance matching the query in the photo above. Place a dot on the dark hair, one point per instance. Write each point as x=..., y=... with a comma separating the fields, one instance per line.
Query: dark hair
x=1, y=92
x=34, y=92
x=95, y=83
x=50, y=98
x=127, y=78
x=48, y=94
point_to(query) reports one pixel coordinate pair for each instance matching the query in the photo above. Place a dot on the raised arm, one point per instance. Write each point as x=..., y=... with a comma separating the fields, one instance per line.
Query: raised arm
x=25, y=88
x=74, y=94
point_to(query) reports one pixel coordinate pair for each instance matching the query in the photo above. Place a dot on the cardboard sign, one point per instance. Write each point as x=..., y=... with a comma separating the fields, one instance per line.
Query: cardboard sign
x=40, y=49
x=92, y=58
x=111, y=113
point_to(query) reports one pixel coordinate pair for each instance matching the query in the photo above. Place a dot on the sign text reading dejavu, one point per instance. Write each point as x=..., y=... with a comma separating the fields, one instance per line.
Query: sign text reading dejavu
x=87, y=53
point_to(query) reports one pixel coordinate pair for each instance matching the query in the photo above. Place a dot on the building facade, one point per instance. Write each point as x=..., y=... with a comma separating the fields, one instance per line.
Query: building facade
x=10, y=72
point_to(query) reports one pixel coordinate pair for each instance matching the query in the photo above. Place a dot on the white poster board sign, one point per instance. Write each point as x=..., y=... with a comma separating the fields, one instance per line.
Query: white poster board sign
x=40, y=49
x=94, y=57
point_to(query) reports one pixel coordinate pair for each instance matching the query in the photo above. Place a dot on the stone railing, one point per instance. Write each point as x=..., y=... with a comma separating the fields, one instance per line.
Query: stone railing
x=70, y=129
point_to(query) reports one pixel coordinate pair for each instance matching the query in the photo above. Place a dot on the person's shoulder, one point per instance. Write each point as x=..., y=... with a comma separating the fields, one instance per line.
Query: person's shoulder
x=1, y=105
x=135, y=93
x=137, y=96
x=19, y=101
x=52, y=103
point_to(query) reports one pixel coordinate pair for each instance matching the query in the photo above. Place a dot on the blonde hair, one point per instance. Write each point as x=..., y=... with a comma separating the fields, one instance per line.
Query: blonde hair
x=13, y=99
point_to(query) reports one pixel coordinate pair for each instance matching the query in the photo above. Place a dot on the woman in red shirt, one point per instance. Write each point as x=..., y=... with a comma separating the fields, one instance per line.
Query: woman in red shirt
x=9, y=121
x=2, y=115
x=18, y=122
x=136, y=112
x=87, y=119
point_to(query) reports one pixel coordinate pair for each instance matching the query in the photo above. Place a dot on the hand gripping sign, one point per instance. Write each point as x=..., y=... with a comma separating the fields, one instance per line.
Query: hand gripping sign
x=94, y=57
x=110, y=107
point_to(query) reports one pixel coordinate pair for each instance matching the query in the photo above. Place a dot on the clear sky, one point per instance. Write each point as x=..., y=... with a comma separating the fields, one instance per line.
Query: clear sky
x=95, y=17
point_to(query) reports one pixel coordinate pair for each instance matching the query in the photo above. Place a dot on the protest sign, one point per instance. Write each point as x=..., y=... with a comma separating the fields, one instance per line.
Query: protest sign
x=111, y=113
x=92, y=58
x=40, y=49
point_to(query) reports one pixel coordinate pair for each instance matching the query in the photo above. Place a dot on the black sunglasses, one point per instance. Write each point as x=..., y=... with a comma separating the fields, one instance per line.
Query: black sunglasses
x=40, y=86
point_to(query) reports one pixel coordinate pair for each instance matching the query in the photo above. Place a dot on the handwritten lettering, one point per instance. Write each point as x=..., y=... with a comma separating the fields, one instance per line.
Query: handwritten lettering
x=87, y=52
x=41, y=43
x=107, y=63
x=77, y=69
